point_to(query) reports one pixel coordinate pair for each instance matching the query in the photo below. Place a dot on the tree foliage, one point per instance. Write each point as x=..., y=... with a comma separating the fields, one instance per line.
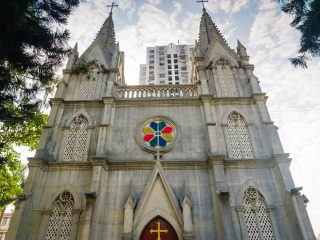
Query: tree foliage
x=33, y=45
x=306, y=19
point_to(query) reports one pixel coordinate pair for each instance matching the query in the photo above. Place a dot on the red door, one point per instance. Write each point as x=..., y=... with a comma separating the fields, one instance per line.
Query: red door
x=158, y=229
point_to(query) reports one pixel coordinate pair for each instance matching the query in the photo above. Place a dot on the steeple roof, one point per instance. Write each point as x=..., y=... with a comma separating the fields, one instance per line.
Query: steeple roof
x=106, y=39
x=208, y=31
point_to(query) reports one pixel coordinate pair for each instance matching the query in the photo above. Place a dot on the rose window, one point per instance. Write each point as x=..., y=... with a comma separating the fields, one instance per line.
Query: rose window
x=158, y=134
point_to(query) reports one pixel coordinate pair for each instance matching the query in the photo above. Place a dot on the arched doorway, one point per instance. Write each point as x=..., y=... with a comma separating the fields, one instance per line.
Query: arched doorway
x=158, y=229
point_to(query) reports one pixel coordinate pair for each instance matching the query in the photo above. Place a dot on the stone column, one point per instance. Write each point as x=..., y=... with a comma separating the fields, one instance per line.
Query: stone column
x=203, y=80
x=273, y=217
x=217, y=168
x=106, y=118
x=304, y=223
x=94, y=197
x=187, y=219
x=254, y=84
x=21, y=218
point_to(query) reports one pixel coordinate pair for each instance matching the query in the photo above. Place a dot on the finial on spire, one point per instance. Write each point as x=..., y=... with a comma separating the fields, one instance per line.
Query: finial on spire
x=112, y=5
x=202, y=1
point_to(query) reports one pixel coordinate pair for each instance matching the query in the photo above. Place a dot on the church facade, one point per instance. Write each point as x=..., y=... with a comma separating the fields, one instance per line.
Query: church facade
x=171, y=162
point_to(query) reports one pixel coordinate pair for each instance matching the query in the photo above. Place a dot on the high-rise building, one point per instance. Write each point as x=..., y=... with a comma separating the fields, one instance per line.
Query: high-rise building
x=143, y=74
x=168, y=64
x=200, y=161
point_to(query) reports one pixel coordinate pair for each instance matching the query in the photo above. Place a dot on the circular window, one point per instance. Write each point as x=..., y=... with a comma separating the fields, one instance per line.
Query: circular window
x=157, y=133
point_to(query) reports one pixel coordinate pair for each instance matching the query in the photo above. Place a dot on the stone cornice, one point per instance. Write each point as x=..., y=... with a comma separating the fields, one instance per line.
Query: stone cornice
x=99, y=161
x=38, y=163
x=66, y=71
x=259, y=97
x=56, y=101
x=108, y=100
x=156, y=102
x=206, y=98
x=215, y=160
x=113, y=70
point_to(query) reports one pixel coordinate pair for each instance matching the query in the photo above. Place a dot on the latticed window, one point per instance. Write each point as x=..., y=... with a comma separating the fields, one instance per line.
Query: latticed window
x=257, y=221
x=61, y=209
x=76, y=141
x=228, y=86
x=88, y=85
x=239, y=136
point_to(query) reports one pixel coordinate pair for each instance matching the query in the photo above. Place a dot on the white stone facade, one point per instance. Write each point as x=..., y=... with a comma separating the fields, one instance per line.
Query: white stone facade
x=223, y=165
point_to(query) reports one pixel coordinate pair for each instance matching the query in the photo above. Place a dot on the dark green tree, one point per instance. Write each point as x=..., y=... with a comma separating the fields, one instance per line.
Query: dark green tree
x=306, y=19
x=33, y=45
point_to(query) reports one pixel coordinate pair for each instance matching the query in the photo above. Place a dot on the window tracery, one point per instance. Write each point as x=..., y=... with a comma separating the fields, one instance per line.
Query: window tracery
x=76, y=140
x=256, y=215
x=239, y=136
x=63, y=204
x=88, y=84
x=228, y=86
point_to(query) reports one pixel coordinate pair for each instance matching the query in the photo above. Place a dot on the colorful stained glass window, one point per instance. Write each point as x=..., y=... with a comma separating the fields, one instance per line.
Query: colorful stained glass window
x=63, y=203
x=252, y=228
x=239, y=137
x=88, y=85
x=76, y=141
x=53, y=223
x=66, y=223
x=257, y=221
x=158, y=134
x=265, y=224
x=245, y=139
x=228, y=86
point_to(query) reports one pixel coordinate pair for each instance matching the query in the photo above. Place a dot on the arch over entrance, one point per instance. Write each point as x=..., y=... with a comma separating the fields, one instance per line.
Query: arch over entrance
x=158, y=229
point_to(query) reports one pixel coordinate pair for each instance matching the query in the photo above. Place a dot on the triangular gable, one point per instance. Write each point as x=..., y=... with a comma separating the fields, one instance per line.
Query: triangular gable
x=95, y=51
x=219, y=49
x=158, y=195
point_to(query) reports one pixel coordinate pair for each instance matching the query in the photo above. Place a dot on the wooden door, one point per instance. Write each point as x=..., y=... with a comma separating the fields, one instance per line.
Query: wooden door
x=158, y=229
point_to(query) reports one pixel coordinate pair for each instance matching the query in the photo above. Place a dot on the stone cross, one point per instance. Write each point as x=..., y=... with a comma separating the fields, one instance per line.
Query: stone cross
x=202, y=1
x=112, y=5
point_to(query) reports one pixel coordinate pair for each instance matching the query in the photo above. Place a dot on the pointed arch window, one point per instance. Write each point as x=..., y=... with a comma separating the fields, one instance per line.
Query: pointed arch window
x=60, y=221
x=257, y=218
x=239, y=136
x=76, y=140
x=228, y=86
x=88, y=84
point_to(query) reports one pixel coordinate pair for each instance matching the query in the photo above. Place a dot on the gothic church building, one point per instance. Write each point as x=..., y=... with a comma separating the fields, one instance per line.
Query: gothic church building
x=200, y=161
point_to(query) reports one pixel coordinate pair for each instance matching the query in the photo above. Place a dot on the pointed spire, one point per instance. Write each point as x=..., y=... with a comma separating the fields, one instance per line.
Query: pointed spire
x=241, y=50
x=107, y=37
x=73, y=56
x=208, y=30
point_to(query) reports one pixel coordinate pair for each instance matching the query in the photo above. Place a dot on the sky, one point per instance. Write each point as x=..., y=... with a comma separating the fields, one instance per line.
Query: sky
x=294, y=101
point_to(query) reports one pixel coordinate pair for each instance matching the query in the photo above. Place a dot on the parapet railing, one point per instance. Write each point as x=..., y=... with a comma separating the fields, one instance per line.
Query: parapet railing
x=157, y=91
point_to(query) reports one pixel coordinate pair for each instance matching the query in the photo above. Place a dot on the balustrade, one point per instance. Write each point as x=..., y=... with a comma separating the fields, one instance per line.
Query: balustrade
x=168, y=91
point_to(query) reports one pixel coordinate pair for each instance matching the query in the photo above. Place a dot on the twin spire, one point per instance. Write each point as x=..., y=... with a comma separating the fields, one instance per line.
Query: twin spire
x=208, y=31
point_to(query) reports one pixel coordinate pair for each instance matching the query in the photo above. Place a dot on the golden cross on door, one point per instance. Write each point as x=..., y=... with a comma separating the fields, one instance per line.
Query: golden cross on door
x=159, y=231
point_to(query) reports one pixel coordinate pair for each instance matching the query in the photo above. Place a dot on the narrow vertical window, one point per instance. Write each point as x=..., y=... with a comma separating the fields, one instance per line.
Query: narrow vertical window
x=228, y=86
x=62, y=209
x=88, y=85
x=258, y=222
x=53, y=222
x=239, y=136
x=76, y=140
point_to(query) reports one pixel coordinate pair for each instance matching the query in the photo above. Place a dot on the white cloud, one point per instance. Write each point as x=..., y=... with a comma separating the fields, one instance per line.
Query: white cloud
x=226, y=5
x=154, y=2
x=238, y=5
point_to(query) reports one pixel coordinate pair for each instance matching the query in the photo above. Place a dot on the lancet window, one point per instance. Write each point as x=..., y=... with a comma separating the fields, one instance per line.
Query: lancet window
x=76, y=140
x=239, y=136
x=60, y=221
x=228, y=86
x=256, y=215
x=88, y=84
